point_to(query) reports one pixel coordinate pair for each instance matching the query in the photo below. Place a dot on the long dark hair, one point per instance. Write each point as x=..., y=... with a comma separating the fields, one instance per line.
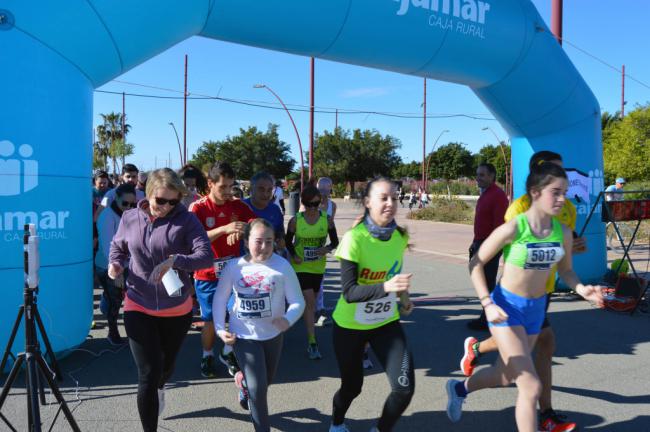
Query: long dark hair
x=541, y=175
x=366, y=193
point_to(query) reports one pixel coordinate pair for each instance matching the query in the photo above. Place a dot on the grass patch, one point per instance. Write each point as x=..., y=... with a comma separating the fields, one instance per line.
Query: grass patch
x=445, y=210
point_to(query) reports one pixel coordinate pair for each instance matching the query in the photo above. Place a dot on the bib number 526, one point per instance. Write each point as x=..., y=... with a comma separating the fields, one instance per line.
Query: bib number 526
x=377, y=307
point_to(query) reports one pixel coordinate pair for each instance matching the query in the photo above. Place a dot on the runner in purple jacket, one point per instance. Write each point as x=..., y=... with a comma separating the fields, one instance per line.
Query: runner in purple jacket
x=160, y=235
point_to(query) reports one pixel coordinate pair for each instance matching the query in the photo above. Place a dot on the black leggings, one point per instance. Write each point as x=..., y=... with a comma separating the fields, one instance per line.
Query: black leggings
x=389, y=345
x=155, y=342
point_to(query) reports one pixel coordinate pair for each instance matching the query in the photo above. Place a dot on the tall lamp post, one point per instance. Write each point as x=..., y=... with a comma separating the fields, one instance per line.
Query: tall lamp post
x=180, y=151
x=505, y=162
x=429, y=158
x=302, y=161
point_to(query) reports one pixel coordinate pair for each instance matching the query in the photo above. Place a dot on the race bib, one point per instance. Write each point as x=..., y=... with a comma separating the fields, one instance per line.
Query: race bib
x=219, y=265
x=541, y=256
x=375, y=311
x=310, y=254
x=253, y=306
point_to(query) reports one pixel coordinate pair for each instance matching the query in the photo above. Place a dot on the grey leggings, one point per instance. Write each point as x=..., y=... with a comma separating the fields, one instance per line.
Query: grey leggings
x=259, y=361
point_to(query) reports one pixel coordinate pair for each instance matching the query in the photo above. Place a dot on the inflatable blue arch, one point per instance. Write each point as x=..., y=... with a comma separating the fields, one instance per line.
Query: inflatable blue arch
x=54, y=53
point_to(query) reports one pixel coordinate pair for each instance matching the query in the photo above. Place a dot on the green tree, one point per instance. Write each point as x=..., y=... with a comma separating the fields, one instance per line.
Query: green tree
x=494, y=154
x=107, y=143
x=248, y=153
x=353, y=156
x=450, y=162
x=626, y=146
x=411, y=169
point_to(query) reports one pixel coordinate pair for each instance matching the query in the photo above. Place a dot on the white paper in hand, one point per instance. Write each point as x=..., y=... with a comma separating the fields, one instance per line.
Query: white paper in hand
x=172, y=283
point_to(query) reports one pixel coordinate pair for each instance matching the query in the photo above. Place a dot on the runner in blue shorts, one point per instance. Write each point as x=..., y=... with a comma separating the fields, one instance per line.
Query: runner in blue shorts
x=532, y=243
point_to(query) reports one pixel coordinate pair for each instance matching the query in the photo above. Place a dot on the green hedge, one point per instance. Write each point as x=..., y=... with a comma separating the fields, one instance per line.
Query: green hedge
x=445, y=210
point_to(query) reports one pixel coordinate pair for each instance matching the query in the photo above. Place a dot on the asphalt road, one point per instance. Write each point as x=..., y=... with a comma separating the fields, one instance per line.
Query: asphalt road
x=601, y=372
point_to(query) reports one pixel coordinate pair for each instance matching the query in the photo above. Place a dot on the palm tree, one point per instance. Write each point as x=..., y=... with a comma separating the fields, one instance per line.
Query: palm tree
x=111, y=141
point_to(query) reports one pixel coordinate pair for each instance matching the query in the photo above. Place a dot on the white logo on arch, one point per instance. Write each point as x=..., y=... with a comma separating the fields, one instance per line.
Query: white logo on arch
x=17, y=175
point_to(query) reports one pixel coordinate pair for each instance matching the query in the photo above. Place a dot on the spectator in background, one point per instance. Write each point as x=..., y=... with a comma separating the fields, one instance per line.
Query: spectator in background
x=261, y=202
x=278, y=195
x=490, y=209
x=141, y=186
x=195, y=182
x=101, y=185
x=324, y=186
x=107, y=225
x=613, y=192
x=129, y=175
x=160, y=236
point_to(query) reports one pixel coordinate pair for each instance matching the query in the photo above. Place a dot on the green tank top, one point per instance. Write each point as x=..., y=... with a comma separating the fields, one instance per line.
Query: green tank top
x=529, y=252
x=378, y=261
x=309, y=238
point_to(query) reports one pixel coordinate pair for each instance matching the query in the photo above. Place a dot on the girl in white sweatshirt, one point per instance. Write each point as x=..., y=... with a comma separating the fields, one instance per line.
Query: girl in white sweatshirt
x=263, y=284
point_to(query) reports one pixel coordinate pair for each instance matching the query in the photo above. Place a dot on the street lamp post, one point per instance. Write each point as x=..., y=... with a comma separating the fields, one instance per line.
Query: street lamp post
x=505, y=162
x=302, y=161
x=180, y=151
x=429, y=158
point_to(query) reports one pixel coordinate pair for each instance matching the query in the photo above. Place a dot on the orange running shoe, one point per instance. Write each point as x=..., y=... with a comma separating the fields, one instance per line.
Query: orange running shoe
x=470, y=359
x=550, y=421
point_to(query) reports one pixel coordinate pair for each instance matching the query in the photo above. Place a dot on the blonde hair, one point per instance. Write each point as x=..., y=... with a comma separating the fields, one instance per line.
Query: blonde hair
x=165, y=178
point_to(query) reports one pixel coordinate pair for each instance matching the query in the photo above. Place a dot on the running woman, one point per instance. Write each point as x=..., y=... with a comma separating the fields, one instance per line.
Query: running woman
x=261, y=281
x=224, y=219
x=532, y=244
x=549, y=419
x=371, y=256
x=310, y=229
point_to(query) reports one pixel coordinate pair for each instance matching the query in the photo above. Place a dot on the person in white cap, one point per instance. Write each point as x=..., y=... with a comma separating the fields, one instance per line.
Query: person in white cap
x=613, y=192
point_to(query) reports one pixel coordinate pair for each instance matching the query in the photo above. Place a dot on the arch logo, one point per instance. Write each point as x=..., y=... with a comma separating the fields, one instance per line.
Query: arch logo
x=18, y=171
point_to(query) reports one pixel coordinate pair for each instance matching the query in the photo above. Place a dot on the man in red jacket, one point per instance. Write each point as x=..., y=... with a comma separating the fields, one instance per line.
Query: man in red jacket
x=224, y=219
x=490, y=210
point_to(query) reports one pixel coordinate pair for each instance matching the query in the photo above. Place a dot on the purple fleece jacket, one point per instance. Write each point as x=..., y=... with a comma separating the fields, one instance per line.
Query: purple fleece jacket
x=145, y=244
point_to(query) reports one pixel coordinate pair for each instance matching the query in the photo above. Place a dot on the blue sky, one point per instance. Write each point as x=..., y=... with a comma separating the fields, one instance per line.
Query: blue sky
x=611, y=31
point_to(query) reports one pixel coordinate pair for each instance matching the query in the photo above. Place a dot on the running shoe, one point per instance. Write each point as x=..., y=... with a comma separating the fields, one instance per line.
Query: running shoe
x=470, y=357
x=550, y=421
x=207, y=367
x=161, y=401
x=114, y=337
x=313, y=352
x=323, y=320
x=240, y=382
x=367, y=363
x=339, y=428
x=230, y=362
x=454, y=402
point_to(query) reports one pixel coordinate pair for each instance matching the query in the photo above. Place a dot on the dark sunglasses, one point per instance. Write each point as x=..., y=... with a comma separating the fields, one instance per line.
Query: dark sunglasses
x=163, y=201
x=312, y=204
x=129, y=204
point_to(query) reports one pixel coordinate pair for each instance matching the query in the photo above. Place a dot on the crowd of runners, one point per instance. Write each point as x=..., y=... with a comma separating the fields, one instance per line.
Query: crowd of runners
x=172, y=245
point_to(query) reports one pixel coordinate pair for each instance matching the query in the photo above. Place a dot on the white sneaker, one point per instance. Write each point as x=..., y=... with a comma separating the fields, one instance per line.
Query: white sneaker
x=454, y=402
x=340, y=428
x=161, y=401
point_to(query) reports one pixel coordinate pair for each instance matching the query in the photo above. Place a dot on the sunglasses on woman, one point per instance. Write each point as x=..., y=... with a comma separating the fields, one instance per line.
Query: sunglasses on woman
x=163, y=201
x=312, y=204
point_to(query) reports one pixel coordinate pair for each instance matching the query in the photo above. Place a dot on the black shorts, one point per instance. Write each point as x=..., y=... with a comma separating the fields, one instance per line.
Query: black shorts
x=546, y=322
x=310, y=281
